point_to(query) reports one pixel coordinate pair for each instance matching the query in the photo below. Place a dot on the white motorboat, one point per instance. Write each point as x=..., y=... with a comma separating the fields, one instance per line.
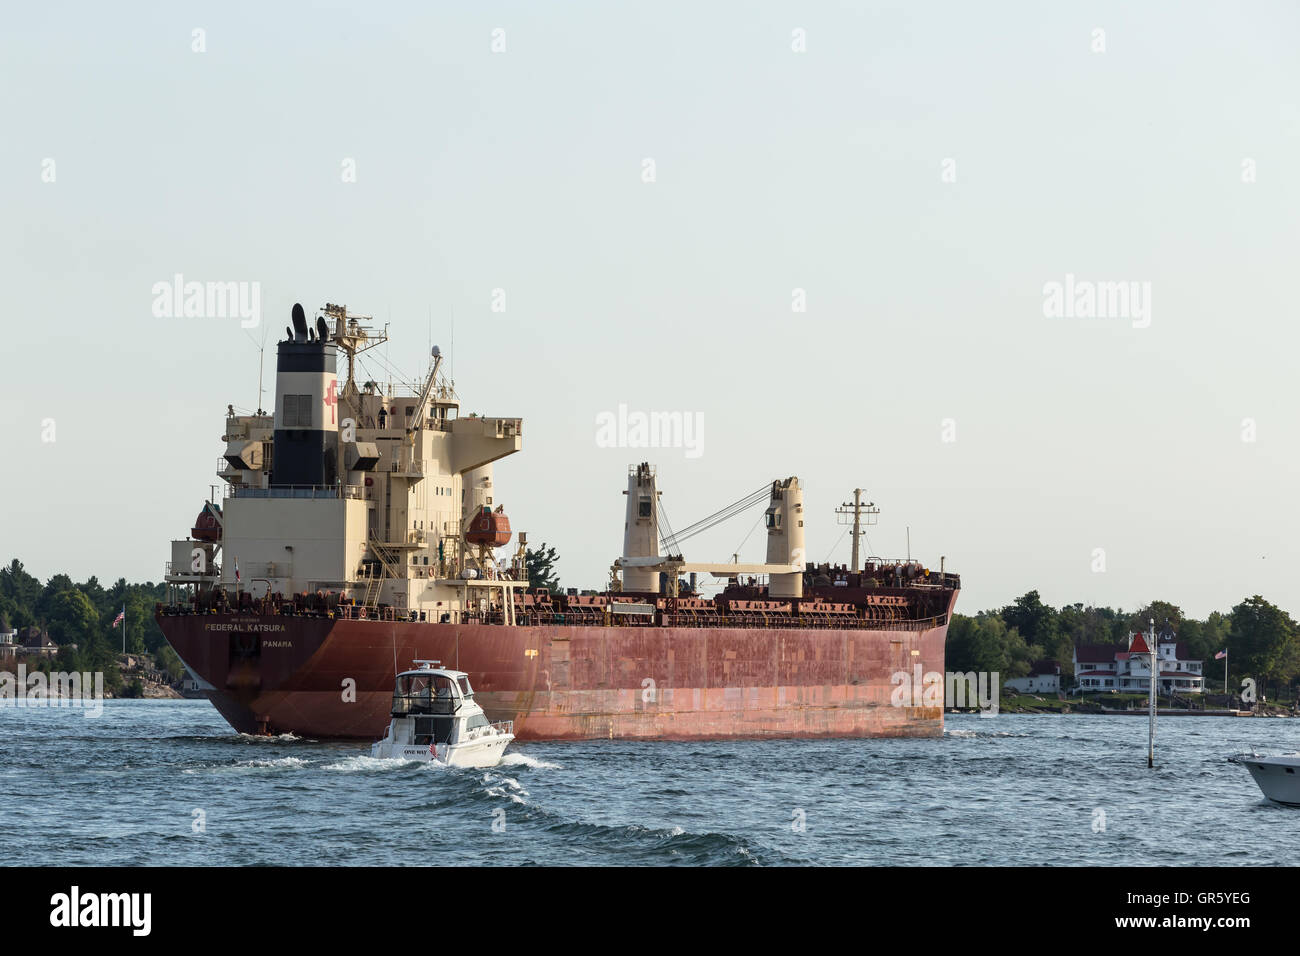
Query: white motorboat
x=435, y=718
x=1278, y=777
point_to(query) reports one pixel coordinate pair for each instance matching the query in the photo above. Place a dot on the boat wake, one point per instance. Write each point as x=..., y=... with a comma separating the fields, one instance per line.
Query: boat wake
x=365, y=764
x=270, y=763
x=504, y=788
x=525, y=760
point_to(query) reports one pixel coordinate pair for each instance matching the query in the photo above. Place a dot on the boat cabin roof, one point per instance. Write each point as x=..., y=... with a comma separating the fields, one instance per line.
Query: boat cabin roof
x=432, y=690
x=433, y=667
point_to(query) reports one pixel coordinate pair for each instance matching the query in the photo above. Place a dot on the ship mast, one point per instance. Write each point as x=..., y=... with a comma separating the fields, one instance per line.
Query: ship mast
x=856, y=511
x=353, y=338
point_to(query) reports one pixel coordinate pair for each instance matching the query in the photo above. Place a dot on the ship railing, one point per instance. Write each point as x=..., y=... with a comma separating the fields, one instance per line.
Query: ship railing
x=295, y=491
x=406, y=464
x=185, y=575
x=496, y=727
x=838, y=622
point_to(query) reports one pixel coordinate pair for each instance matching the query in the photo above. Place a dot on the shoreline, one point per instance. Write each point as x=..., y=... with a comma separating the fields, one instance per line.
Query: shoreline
x=1103, y=712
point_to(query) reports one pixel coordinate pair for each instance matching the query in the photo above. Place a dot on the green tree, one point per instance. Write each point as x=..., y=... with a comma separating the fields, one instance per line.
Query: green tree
x=93, y=590
x=169, y=662
x=1260, y=638
x=71, y=617
x=19, y=593
x=1204, y=639
x=985, y=643
x=139, y=624
x=1032, y=618
x=1160, y=612
x=541, y=568
x=98, y=655
x=17, y=583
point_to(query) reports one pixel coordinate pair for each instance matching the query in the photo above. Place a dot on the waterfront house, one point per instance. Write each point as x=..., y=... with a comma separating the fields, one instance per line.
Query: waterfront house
x=36, y=640
x=1044, y=678
x=1113, y=667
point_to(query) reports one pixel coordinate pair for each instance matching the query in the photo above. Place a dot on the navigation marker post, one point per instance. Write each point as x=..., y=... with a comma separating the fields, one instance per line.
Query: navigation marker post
x=1151, y=730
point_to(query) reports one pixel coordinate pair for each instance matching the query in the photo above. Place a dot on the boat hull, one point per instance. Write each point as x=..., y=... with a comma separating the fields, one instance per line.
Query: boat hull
x=1278, y=777
x=333, y=678
x=482, y=753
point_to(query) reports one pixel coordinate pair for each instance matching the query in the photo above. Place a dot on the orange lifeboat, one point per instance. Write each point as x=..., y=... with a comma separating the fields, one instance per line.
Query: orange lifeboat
x=206, y=527
x=489, y=528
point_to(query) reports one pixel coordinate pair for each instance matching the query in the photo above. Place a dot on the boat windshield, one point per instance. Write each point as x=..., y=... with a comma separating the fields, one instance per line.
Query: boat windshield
x=425, y=694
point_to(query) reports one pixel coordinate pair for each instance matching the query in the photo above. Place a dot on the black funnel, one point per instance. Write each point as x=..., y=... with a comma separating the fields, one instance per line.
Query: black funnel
x=299, y=323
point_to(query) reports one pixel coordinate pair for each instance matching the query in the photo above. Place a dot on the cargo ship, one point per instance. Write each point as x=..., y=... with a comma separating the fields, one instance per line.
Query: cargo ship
x=358, y=530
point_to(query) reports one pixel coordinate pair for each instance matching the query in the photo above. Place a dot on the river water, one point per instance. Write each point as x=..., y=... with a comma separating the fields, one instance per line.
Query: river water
x=168, y=782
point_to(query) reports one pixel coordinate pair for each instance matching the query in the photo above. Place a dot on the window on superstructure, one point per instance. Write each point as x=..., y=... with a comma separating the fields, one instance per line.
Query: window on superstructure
x=643, y=507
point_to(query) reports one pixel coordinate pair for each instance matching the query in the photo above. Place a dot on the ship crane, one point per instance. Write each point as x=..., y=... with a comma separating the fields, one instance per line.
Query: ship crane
x=672, y=542
x=642, y=566
x=422, y=408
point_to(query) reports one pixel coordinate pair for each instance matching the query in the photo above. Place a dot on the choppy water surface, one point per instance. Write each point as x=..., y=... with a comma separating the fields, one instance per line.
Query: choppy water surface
x=1015, y=789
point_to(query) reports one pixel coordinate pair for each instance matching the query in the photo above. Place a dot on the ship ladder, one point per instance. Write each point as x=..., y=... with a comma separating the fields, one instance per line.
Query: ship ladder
x=375, y=584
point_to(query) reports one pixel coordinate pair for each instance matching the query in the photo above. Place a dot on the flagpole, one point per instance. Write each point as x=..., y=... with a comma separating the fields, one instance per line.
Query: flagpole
x=124, y=628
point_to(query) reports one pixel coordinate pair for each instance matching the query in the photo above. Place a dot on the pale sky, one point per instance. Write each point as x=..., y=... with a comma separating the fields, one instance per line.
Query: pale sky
x=920, y=170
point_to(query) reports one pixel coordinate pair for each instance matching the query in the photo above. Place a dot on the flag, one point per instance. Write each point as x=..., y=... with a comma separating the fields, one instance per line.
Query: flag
x=1221, y=655
x=236, y=570
x=121, y=616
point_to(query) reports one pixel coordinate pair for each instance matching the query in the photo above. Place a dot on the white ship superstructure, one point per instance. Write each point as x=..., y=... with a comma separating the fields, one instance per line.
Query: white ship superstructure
x=357, y=493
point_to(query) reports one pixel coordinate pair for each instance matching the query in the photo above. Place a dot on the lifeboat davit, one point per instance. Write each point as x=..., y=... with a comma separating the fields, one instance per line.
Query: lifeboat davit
x=489, y=528
x=206, y=527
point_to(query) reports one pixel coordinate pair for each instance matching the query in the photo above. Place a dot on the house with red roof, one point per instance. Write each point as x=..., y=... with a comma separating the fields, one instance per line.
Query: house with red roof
x=1103, y=667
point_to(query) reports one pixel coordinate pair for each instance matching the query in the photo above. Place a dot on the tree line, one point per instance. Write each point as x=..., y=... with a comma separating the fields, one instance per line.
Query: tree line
x=81, y=616
x=1261, y=639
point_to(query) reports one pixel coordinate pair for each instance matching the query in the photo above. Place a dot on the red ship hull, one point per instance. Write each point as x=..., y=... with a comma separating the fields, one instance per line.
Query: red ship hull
x=327, y=678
